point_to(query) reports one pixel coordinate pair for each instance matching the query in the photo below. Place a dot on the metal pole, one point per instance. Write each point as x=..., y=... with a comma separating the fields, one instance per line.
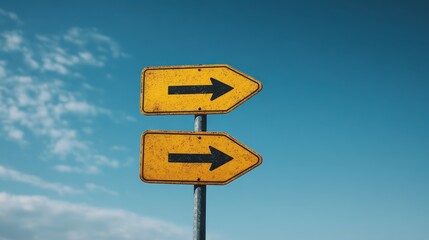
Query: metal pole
x=200, y=125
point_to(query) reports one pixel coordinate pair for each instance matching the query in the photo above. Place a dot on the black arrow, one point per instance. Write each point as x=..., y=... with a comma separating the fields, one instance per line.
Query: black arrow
x=217, y=89
x=215, y=157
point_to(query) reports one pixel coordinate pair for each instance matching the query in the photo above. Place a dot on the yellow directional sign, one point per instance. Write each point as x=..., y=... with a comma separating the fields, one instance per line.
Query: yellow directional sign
x=201, y=89
x=194, y=158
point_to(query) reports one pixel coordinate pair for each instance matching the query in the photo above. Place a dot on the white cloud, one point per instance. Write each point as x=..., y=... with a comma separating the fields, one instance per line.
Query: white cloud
x=61, y=53
x=12, y=41
x=90, y=59
x=34, y=102
x=66, y=142
x=130, y=118
x=84, y=37
x=29, y=60
x=105, y=161
x=119, y=148
x=10, y=174
x=77, y=47
x=73, y=169
x=14, y=133
x=91, y=165
x=87, y=130
x=28, y=105
x=130, y=160
x=38, y=217
x=10, y=15
x=80, y=107
x=2, y=69
x=97, y=188
x=40, y=107
x=51, y=65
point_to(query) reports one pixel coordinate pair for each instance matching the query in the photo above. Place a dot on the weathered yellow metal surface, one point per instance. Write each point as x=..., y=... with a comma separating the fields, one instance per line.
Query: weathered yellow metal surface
x=157, y=99
x=160, y=148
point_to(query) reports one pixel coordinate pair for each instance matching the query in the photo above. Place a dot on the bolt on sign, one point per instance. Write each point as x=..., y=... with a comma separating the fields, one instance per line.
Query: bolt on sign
x=194, y=158
x=201, y=89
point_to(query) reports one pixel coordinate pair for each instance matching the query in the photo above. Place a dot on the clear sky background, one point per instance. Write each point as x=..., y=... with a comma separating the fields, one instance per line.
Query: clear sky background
x=341, y=123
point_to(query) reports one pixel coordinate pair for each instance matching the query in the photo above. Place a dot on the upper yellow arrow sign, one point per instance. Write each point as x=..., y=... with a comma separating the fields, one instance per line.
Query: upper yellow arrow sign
x=194, y=158
x=201, y=89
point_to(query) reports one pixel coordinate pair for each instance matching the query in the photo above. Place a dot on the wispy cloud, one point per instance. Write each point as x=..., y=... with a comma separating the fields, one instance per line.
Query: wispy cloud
x=10, y=15
x=38, y=217
x=119, y=148
x=76, y=47
x=97, y=188
x=91, y=169
x=35, y=100
x=105, y=161
x=14, y=133
x=130, y=118
x=10, y=174
x=2, y=68
x=61, y=53
x=42, y=108
x=12, y=40
x=13, y=175
x=86, y=37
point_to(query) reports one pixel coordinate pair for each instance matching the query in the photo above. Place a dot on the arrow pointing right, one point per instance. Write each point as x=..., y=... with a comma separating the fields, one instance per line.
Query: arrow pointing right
x=217, y=89
x=216, y=158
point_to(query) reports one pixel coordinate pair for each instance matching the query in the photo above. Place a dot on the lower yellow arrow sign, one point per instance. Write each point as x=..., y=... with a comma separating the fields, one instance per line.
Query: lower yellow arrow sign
x=194, y=158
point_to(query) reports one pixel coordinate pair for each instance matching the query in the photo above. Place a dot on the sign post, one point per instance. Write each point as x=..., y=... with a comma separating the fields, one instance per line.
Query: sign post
x=200, y=191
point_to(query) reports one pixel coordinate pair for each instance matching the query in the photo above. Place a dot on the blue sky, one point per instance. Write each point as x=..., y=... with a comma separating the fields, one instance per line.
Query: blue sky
x=341, y=123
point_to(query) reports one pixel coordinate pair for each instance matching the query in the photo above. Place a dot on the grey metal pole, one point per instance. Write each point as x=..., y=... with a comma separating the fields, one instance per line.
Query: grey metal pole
x=200, y=125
